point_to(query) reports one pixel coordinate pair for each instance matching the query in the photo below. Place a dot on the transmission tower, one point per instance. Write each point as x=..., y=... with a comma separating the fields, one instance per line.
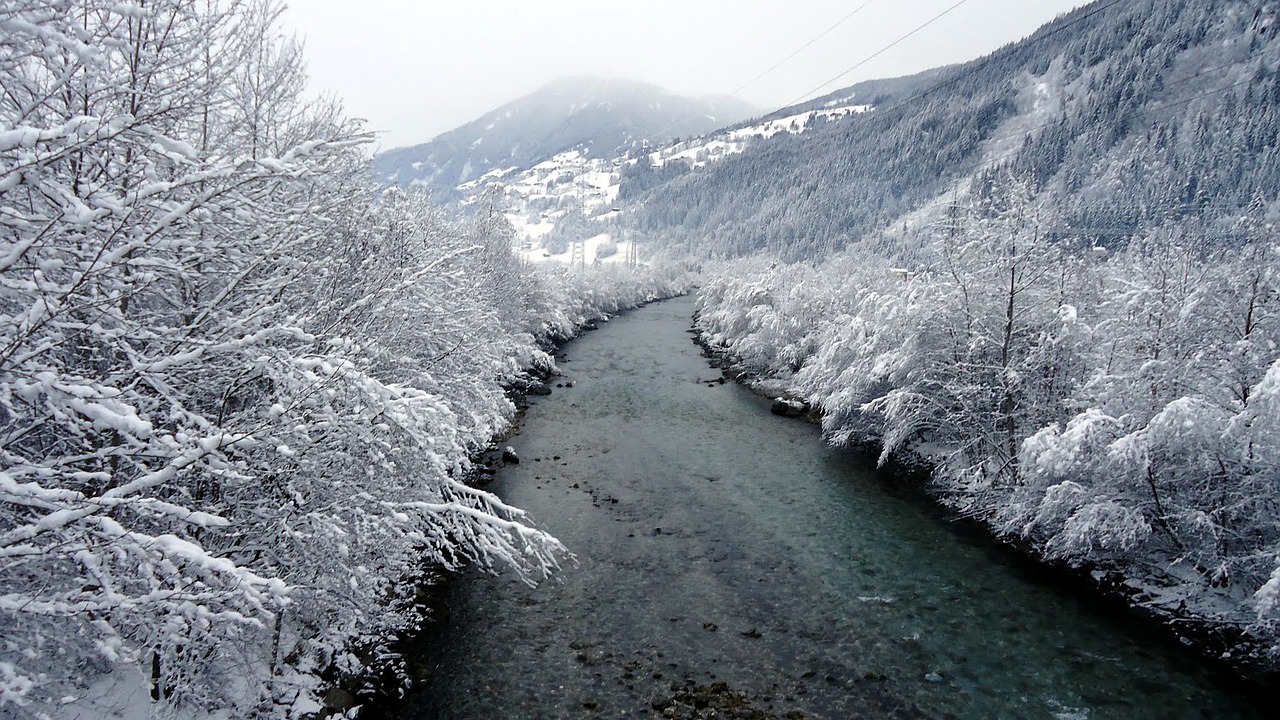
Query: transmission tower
x=633, y=252
x=578, y=250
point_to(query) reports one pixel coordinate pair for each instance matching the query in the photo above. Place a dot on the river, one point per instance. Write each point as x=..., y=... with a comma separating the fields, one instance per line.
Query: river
x=729, y=563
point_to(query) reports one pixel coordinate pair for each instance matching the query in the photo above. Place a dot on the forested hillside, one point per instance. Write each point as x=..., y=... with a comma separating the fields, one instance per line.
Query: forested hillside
x=1122, y=114
x=240, y=384
x=1078, y=327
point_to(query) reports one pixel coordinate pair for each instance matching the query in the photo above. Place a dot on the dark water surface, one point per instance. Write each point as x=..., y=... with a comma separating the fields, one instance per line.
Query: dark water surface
x=717, y=543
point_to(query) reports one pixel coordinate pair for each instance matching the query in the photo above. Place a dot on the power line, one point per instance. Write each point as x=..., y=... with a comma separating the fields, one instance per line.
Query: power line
x=877, y=53
x=855, y=66
x=965, y=72
x=801, y=49
x=972, y=68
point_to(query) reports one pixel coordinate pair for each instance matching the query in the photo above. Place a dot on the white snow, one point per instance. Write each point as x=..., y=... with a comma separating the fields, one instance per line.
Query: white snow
x=124, y=694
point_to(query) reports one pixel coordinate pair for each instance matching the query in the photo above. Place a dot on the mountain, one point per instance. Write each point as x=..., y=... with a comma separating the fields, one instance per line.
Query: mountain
x=1122, y=115
x=1119, y=113
x=575, y=195
x=600, y=117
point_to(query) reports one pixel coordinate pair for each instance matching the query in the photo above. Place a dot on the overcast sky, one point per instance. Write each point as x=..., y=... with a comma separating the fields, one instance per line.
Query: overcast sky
x=416, y=68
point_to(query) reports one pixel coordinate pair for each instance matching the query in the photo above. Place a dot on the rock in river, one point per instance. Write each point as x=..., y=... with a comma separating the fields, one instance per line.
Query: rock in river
x=789, y=408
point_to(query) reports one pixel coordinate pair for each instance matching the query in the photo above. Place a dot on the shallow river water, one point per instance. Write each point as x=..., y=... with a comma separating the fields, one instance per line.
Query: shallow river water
x=728, y=561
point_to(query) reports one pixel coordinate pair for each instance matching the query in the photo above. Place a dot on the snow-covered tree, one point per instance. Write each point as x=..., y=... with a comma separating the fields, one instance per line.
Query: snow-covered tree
x=1111, y=406
x=238, y=388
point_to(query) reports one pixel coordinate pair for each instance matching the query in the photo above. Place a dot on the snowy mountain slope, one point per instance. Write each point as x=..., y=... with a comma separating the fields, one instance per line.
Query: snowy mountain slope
x=554, y=197
x=598, y=117
x=1119, y=112
x=878, y=92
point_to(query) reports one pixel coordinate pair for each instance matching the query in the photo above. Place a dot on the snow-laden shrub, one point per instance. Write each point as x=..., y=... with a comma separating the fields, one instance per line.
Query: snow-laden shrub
x=1105, y=525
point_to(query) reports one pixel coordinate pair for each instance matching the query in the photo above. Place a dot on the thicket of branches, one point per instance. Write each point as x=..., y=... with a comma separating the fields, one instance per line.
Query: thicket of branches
x=1115, y=407
x=239, y=386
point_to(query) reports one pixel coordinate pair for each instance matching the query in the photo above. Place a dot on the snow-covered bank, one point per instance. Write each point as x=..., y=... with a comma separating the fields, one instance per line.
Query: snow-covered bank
x=387, y=550
x=1113, y=409
x=240, y=384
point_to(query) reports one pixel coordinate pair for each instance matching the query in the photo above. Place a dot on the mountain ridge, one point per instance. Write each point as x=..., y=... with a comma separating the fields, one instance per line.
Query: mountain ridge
x=599, y=116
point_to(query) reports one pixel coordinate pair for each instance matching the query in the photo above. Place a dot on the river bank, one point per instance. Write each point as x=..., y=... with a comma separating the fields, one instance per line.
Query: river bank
x=1109, y=588
x=729, y=562
x=372, y=668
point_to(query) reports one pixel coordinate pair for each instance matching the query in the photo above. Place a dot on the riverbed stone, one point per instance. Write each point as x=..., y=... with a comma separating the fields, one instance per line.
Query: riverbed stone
x=789, y=408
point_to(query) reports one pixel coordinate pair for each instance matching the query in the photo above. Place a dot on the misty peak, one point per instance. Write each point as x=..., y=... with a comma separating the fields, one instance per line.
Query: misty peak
x=598, y=115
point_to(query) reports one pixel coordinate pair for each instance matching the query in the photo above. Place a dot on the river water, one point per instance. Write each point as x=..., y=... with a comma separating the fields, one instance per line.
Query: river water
x=730, y=564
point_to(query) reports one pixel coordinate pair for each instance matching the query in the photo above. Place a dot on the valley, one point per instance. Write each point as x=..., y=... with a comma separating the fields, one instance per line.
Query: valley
x=289, y=425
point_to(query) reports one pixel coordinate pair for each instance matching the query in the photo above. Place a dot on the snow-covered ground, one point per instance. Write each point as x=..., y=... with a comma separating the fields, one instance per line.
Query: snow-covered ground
x=125, y=694
x=1039, y=101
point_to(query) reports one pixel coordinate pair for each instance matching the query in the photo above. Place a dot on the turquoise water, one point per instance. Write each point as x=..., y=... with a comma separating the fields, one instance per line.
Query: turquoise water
x=718, y=543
